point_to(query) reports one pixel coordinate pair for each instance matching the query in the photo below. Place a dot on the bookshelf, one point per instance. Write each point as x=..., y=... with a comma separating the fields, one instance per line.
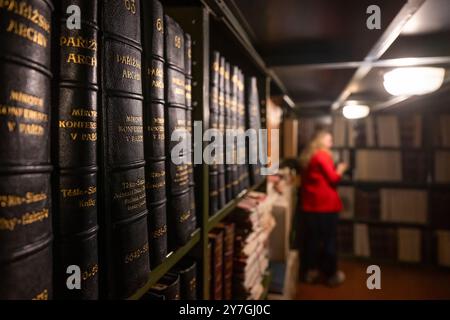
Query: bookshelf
x=204, y=20
x=427, y=183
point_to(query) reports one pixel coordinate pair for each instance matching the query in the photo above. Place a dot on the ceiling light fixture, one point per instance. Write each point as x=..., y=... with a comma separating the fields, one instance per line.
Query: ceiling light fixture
x=355, y=111
x=413, y=81
x=289, y=101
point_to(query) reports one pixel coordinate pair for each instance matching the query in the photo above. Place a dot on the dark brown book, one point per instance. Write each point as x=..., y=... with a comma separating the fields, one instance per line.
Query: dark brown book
x=228, y=253
x=216, y=268
x=383, y=242
x=367, y=204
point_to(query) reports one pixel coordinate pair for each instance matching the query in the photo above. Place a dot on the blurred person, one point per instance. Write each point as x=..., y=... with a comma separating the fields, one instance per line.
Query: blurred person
x=320, y=205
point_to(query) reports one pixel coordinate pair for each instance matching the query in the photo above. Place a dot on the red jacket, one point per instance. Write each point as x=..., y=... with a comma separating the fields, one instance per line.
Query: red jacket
x=319, y=180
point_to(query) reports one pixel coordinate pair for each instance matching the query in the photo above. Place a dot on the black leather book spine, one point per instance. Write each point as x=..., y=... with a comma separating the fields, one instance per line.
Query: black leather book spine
x=154, y=128
x=187, y=270
x=221, y=165
x=254, y=122
x=179, y=217
x=234, y=169
x=75, y=150
x=189, y=128
x=167, y=288
x=216, y=268
x=214, y=124
x=228, y=127
x=244, y=171
x=25, y=187
x=124, y=207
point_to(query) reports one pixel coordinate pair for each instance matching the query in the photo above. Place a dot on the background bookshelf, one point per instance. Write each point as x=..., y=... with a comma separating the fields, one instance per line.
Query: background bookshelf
x=417, y=171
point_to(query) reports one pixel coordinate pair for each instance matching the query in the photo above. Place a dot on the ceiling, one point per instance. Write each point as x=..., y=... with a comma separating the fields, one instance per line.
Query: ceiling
x=324, y=55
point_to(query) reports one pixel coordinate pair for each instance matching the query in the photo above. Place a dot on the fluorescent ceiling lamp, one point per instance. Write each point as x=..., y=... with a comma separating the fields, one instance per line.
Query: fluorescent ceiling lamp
x=289, y=101
x=413, y=81
x=355, y=111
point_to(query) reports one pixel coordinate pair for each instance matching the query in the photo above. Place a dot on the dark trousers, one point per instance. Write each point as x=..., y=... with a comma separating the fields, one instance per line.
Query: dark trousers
x=320, y=243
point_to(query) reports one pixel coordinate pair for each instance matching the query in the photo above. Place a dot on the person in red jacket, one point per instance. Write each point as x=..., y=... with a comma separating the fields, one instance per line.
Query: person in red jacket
x=320, y=204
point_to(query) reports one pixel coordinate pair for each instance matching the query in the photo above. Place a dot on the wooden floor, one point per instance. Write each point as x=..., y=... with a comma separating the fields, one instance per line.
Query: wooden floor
x=397, y=282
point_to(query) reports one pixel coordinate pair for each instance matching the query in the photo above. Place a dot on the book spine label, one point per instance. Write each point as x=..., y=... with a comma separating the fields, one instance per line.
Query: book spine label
x=154, y=132
x=25, y=188
x=155, y=182
x=157, y=226
x=179, y=219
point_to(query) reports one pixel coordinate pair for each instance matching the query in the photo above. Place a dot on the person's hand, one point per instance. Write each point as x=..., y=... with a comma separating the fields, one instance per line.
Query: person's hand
x=341, y=168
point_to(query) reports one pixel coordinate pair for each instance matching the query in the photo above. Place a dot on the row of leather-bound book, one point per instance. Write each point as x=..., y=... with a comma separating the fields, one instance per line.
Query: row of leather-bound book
x=89, y=104
x=231, y=111
x=120, y=88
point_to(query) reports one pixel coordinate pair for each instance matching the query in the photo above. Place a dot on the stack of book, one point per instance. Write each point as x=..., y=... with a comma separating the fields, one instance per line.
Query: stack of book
x=404, y=205
x=253, y=225
x=221, y=268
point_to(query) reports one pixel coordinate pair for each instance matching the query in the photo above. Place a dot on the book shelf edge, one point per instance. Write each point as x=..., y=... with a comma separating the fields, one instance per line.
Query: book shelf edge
x=168, y=264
